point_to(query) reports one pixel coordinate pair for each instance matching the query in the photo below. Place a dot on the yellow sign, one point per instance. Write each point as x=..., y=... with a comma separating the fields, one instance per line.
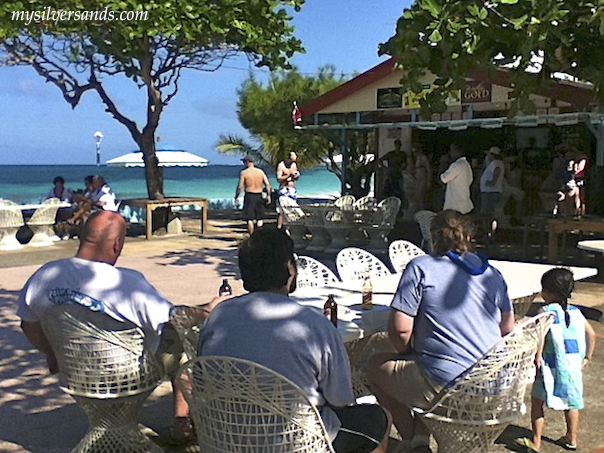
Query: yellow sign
x=411, y=100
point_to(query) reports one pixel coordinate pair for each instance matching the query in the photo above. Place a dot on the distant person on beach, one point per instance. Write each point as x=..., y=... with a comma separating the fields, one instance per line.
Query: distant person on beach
x=267, y=327
x=123, y=294
x=60, y=191
x=63, y=194
x=84, y=201
x=458, y=179
x=567, y=350
x=251, y=180
x=287, y=175
x=103, y=197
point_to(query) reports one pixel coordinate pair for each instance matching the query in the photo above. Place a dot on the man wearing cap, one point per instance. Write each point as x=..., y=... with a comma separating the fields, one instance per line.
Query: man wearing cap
x=251, y=179
x=491, y=184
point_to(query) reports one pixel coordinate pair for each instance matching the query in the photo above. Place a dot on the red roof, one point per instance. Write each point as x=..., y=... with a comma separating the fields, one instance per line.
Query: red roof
x=560, y=91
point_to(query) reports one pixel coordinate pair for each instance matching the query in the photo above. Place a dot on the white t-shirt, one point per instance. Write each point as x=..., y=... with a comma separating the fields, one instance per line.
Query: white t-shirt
x=106, y=195
x=487, y=175
x=296, y=341
x=123, y=294
x=458, y=178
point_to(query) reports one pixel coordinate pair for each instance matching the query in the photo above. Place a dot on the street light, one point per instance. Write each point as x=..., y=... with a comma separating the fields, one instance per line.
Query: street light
x=98, y=138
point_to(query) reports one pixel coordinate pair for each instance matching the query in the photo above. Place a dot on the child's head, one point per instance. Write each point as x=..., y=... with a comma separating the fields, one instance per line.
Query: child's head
x=557, y=285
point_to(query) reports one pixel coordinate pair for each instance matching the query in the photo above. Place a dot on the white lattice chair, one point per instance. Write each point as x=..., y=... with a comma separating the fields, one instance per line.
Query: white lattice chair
x=11, y=219
x=469, y=415
x=353, y=263
x=105, y=366
x=364, y=203
x=311, y=273
x=382, y=222
x=345, y=202
x=424, y=219
x=42, y=221
x=238, y=405
x=294, y=220
x=401, y=252
x=186, y=321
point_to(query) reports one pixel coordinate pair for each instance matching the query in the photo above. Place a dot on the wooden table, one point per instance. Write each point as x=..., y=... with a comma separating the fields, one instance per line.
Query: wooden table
x=557, y=226
x=169, y=202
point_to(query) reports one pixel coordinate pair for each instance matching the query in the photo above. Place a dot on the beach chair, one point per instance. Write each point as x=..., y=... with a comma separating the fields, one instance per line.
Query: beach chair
x=401, y=252
x=41, y=223
x=364, y=203
x=354, y=263
x=311, y=273
x=294, y=220
x=238, y=405
x=473, y=411
x=345, y=202
x=11, y=219
x=424, y=219
x=106, y=367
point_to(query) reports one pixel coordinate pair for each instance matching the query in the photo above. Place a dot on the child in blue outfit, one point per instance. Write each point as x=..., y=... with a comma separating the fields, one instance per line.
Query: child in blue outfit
x=568, y=348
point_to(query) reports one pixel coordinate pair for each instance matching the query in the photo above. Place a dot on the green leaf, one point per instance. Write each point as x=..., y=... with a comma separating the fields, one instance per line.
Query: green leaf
x=435, y=36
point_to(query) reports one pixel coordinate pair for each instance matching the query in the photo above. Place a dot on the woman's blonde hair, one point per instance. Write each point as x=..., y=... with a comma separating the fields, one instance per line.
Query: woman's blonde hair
x=451, y=231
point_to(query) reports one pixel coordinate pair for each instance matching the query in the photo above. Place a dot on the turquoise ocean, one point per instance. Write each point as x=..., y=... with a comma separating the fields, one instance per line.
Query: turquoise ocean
x=26, y=184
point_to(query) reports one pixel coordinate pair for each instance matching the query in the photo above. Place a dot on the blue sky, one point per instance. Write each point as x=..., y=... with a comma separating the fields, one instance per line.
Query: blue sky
x=38, y=127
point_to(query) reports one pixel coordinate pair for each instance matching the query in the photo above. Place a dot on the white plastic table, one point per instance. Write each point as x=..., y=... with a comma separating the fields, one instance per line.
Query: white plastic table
x=523, y=280
x=592, y=245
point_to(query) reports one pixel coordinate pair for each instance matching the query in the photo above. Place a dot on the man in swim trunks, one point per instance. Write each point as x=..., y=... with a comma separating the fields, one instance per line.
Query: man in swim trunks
x=251, y=179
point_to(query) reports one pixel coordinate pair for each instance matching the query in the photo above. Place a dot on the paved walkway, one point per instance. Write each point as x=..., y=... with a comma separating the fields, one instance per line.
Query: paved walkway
x=36, y=417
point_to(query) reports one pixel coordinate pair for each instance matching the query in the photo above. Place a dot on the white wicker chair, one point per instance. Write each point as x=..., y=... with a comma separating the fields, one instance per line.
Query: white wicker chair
x=364, y=203
x=382, y=222
x=401, y=252
x=353, y=263
x=105, y=366
x=470, y=414
x=294, y=220
x=312, y=273
x=424, y=219
x=345, y=202
x=522, y=305
x=240, y=406
x=11, y=219
x=185, y=320
x=42, y=221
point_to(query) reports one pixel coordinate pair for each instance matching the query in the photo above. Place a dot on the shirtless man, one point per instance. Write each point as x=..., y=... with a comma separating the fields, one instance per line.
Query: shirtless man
x=252, y=179
x=287, y=175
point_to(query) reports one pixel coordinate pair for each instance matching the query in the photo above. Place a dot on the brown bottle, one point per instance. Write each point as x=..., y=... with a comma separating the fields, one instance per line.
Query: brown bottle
x=225, y=289
x=331, y=309
x=367, y=293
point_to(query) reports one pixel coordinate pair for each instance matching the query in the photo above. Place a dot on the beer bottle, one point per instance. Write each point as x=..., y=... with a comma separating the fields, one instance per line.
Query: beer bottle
x=225, y=289
x=331, y=309
x=367, y=293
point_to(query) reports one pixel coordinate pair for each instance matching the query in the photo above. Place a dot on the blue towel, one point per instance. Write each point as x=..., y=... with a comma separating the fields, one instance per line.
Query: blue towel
x=560, y=381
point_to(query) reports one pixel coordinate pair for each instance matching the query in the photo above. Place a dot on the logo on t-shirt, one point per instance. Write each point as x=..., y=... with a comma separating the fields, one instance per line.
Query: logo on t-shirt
x=62, y=296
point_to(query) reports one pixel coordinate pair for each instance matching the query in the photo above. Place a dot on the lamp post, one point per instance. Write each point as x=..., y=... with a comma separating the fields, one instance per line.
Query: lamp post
x=98, y=138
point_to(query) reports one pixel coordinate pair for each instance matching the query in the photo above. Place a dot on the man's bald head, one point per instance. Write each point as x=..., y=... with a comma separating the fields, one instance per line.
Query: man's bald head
x=103, y=237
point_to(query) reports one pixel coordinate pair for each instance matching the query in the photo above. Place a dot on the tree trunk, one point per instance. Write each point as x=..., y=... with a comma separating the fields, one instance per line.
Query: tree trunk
x=153, y=172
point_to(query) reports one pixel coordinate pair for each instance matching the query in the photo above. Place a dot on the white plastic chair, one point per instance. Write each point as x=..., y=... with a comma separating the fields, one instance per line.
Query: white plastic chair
x=238, y=405
x=364, y=203
x=401, y=252
x=42, y=221
x=353, y=263
x=424, y=219
x=294, y=220
x=311, y=273
x=382, y=223
x=11, y=219
x=470, y=414
x=345, y=202
x=105, y=366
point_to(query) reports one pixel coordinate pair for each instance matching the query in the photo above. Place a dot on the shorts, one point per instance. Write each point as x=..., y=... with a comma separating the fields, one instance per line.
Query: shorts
x=411, y=386
x=170, y=353
x=288, y=191
x=363, y=428
x=489, y=201
x=253, y=206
